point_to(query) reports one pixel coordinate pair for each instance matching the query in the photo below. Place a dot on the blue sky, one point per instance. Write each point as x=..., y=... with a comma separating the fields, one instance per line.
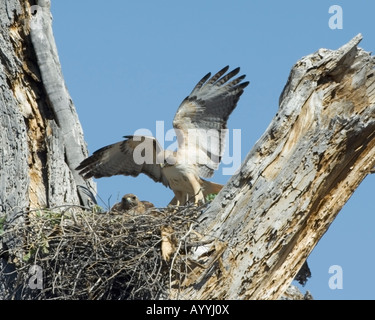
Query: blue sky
x=128, y=64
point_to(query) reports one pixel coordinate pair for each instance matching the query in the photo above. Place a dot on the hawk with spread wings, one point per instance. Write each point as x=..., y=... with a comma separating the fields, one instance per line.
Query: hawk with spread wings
x=200, y=126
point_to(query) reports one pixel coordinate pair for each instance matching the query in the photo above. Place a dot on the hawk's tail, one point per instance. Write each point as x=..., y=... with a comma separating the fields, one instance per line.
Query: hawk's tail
x=210, y=187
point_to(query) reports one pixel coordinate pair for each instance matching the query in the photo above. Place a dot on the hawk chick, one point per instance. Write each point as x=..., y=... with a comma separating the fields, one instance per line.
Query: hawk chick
x=131, y=202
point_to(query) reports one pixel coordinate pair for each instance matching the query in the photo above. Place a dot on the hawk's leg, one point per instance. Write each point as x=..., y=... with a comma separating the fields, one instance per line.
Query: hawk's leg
x=197, y=189
x=179, y=196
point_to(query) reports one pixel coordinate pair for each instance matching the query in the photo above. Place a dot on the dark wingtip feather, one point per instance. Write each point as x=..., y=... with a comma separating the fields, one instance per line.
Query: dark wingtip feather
x=205, y=77
x=84, y=172
x=243, y=85
x=84, y=163
x=229, y=76
x=240, y=78
x=88, y=175
x=235, y=71
x=225, y=69
x=217, y=75
x=202, y=82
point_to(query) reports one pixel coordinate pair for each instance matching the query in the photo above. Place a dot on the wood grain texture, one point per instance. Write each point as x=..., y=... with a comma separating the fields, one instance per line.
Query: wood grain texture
x=66, y=135
x=42, y=140
x=314, y=154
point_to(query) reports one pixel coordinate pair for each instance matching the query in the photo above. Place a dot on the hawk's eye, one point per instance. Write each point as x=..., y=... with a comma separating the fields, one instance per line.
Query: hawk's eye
x=133, y=197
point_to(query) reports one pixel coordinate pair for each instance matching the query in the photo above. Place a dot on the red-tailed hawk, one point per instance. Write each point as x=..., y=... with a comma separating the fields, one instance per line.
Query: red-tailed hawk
x=130, y=202
x=200, y=126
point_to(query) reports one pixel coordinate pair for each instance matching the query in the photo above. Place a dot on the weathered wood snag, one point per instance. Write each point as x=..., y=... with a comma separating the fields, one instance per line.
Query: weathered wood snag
x=292, y=184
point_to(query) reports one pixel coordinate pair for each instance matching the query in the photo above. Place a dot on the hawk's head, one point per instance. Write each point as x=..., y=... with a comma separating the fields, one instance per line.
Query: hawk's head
x=129, y=201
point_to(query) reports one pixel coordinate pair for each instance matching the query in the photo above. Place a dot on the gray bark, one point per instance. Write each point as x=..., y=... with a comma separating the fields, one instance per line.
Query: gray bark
x=14, y=178
x=67, y=136
x=41, y=139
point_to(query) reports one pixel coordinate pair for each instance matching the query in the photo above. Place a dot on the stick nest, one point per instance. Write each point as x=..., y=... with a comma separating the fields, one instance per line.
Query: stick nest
x=88, y=255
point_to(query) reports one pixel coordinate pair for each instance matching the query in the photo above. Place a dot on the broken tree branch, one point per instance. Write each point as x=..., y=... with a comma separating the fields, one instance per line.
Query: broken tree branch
x=292, y=184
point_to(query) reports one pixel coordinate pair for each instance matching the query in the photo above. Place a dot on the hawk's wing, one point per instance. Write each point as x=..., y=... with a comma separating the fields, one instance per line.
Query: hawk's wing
x=135, y=155
x=201, y=119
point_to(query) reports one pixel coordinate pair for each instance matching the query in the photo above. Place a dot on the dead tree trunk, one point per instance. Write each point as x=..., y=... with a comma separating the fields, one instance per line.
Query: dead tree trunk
x=292, y=184
x=41, y=139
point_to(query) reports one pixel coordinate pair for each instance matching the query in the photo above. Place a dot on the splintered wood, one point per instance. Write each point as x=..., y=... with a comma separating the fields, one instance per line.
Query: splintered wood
x=292, y=184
